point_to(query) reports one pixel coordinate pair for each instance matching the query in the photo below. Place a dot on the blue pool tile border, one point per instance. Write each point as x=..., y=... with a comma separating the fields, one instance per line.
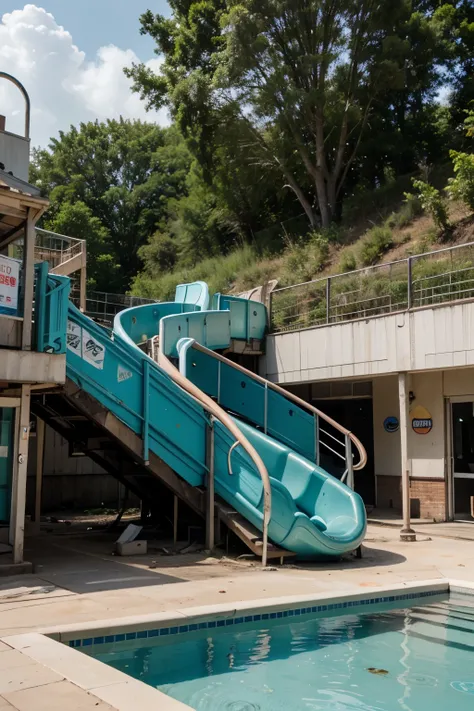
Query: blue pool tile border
x=258, y=617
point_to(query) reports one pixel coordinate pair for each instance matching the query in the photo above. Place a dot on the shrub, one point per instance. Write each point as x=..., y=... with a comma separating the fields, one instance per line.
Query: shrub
x=461, y=187
x=374, y=245
x=302, y=262
x=161, y=253
x=432, y=202
x=406, y=214
x=347, y=261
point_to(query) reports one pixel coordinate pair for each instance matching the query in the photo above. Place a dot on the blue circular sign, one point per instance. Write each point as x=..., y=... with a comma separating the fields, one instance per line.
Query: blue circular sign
x=391, y=424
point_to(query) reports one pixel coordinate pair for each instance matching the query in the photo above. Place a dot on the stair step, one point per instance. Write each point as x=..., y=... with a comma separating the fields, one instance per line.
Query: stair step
x=247, y=532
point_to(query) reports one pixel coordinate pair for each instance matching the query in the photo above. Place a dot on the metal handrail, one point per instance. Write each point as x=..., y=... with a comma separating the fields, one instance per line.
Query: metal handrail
x=221, y=415
x=313, y=303
x=290, y=396
x=375, y=266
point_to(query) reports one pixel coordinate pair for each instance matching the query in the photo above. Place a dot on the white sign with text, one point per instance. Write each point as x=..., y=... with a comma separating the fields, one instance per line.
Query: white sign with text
x=9, y=285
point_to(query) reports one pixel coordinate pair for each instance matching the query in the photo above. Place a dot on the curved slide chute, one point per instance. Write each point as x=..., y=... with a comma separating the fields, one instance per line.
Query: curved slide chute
x=266, y=442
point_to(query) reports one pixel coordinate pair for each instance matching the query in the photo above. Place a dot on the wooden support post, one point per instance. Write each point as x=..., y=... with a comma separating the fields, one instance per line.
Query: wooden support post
x=28, y=281
x=40, y=435
x=17, y=519
x=82, y=289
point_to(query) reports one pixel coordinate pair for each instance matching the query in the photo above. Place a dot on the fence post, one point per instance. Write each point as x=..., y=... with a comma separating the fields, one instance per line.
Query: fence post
x=146, y=401
x=410, y=283
x=328, y=300
x=210, y=486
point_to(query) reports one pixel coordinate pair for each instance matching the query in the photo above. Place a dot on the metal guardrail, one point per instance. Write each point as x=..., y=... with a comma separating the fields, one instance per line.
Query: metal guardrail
x=334, y=436
x=420, y=280
x=55, y=248
x=103, y=307
x=217, y=413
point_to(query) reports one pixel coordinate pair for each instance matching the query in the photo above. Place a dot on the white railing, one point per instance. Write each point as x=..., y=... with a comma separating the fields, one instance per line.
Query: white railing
x=55, y=248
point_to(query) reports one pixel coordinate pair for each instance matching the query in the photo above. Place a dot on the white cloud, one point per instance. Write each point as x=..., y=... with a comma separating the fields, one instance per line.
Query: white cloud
x=64, y=87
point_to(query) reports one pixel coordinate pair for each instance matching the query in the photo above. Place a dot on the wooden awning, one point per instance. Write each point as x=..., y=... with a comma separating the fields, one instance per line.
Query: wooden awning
x=16, y=205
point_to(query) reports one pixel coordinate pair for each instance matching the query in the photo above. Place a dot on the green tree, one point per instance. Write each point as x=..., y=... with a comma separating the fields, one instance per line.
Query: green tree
x=76, y=220
x=111, y=183
x=304, y=79
x=461, y=186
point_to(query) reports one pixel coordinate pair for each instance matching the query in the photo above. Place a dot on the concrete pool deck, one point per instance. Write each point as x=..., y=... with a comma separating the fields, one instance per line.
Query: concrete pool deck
x=78, y=581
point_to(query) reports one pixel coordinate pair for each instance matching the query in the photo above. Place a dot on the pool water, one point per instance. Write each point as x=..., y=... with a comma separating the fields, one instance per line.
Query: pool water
x=416, y=659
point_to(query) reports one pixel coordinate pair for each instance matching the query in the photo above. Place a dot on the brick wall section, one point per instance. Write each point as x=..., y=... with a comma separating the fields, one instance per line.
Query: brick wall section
x=431, y=497
x=427, y=496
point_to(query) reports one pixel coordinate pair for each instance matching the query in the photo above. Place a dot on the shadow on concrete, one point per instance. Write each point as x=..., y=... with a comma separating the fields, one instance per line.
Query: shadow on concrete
x=69, y=565
x=371, y=558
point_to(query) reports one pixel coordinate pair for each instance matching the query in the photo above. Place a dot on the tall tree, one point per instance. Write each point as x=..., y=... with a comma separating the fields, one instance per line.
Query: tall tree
x=111, y=183
x=303, y=78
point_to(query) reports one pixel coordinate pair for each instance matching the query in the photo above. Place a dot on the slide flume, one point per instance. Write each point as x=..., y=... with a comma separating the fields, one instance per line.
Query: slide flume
x=312, y=513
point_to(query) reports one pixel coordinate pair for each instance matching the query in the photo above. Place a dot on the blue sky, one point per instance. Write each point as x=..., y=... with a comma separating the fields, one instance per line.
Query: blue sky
x=70, y=55
x=94, y=23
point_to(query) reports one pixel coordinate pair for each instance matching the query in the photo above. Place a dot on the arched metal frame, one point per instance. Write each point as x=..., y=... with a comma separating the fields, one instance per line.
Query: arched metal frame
x=19, y=85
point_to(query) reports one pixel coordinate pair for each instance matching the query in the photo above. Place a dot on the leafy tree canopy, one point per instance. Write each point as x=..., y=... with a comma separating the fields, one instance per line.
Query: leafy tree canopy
x=111, y=183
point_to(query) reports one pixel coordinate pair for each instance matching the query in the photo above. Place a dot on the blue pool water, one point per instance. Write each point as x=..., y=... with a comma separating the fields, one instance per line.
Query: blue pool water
x=416, y=659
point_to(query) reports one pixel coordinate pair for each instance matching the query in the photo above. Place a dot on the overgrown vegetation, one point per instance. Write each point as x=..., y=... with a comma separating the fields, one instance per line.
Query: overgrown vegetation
x=297, y=127
x=374, y=245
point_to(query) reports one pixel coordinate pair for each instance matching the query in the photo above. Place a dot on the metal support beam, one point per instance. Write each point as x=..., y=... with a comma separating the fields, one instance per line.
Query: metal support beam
x=210, y=529
x=28, y=281
x=146, y=408
x=328, y=300
x=17, y=519
x=407, y=533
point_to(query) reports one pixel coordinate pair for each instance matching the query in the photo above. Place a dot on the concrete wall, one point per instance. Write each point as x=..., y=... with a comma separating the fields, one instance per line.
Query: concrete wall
x=31, y=367
x=386, y=444
x=15, y=154
x=427, y=451
x=440, y=337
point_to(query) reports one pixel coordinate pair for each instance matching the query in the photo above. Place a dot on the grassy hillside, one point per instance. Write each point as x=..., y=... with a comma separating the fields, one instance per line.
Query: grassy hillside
x=394, y=234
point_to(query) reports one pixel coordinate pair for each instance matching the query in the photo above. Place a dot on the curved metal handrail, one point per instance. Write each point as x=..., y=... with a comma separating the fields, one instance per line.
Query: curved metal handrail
x=19, y=85
x=221, y=415
x=290, y=396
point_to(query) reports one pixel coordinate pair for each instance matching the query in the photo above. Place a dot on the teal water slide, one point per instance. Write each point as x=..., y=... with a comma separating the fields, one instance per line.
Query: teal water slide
x=160, y=372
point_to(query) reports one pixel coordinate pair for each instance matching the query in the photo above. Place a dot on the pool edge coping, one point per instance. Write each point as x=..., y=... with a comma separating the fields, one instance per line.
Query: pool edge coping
x=49, y=646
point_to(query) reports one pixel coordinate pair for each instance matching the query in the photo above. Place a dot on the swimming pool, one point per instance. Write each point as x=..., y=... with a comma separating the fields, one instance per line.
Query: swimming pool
x=417, y=658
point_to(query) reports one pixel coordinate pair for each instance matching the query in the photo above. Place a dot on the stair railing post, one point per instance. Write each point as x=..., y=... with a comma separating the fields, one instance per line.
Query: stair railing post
x=210, y=496
x=146, y=413
x=349, y=463
x=317, y=448
x=265, y=409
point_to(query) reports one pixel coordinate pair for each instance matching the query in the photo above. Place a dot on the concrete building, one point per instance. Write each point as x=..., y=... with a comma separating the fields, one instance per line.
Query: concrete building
x=27, y=358
x=398, y=372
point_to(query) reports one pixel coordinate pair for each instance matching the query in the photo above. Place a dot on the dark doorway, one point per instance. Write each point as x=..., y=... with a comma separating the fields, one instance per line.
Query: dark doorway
x=357, y=416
